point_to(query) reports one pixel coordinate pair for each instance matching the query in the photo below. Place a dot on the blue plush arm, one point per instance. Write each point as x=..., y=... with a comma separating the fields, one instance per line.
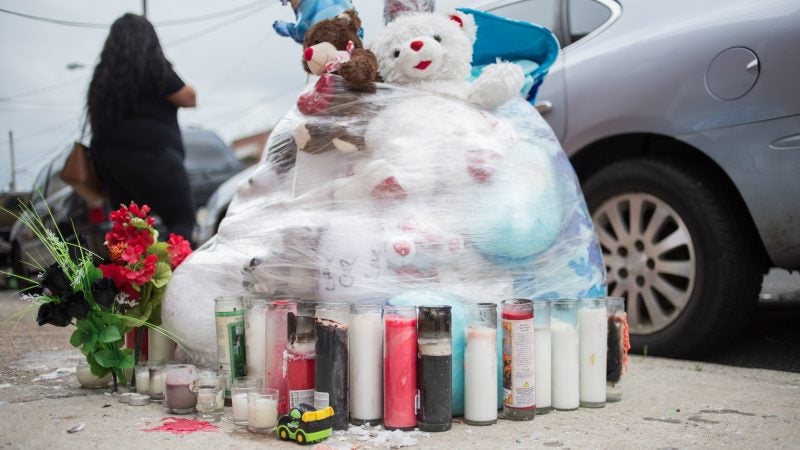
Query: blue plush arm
x=286, y=29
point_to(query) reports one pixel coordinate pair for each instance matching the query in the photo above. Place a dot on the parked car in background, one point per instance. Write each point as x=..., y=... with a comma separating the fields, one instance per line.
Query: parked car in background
x=210, y=216
x=209, y=162
x=682, y=121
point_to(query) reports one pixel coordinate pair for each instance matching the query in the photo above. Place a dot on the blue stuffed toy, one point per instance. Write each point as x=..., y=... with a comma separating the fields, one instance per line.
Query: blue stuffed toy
x=309, y=12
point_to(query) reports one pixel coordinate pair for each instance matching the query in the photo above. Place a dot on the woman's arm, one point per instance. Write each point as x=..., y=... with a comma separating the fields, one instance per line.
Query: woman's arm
x=185, y=97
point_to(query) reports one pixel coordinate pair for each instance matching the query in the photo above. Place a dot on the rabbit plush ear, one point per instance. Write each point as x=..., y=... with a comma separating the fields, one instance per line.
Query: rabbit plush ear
x=466, y=22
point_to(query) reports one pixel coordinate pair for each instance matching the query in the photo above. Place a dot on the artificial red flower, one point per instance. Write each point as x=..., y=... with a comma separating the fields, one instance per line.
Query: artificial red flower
x=178, y=249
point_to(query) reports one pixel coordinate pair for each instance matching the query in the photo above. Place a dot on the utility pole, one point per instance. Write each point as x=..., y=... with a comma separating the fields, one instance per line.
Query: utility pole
x=13, y=164
x=144, y=8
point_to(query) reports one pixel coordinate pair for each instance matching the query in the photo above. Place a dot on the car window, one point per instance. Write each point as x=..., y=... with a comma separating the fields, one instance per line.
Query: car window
x=540, y=12
x=585, y=16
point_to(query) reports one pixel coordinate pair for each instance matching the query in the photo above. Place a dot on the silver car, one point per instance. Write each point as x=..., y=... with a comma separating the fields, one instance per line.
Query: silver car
x=682, y=119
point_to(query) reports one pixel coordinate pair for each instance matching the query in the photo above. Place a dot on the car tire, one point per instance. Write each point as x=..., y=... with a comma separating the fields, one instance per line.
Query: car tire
x=684, y=260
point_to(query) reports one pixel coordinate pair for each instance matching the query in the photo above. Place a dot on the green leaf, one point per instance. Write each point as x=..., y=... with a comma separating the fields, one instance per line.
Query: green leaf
x=109, y=334
x=160, y=249
x=95, y=274
x=162, y=275
x=86, y=326
x=77, y=338
x=96, y=368
x=106, y=358
x=127, y=360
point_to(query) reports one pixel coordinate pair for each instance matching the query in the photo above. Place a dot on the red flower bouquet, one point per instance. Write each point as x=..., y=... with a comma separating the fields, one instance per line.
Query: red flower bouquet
x=141, y=266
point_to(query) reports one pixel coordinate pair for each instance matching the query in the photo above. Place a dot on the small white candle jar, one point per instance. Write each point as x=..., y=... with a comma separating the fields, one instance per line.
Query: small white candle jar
x=142, y=374
x=89, y=380
x=210, y=390
x=262, y=410
x=156, y=387
x=239, y=401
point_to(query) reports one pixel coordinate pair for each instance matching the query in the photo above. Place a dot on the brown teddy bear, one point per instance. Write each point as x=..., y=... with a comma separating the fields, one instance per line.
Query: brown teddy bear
x=332, y=47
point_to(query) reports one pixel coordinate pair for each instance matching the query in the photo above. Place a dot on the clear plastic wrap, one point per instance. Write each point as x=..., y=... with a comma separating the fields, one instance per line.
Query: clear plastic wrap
x=396, y=194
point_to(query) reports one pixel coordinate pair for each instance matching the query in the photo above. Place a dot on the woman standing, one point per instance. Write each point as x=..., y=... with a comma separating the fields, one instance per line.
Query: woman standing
x=136, y=146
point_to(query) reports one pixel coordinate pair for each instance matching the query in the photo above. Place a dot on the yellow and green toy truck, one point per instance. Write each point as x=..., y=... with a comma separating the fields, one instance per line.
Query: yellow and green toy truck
x=304, y=424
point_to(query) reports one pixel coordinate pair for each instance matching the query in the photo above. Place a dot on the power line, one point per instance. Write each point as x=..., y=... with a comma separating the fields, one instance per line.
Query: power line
x=215, y=27
x=43, y=89
x=165, y=23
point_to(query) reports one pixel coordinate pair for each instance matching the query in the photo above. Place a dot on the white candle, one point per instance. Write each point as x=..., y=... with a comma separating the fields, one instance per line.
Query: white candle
x=262, y=413
x=207, y=401
x=143, y=380
x=366, y=366
x=159, y=347
x=565, y=372
x=240, y=407
x=593, y=330
x=255, y=339
x=157, y=384
x=542, y=358
x=89, y=380
x=480, y=375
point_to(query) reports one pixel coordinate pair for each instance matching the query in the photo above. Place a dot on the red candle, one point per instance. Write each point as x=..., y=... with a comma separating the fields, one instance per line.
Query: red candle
x=300, y=374
x=399, y=367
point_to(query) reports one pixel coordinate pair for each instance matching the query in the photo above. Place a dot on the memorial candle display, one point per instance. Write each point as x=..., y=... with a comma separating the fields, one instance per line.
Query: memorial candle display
x=255, y=339
x=519, y=375
x=565, y=373
x=300, y=355
x=229, y=319
x=276, y=343
x=399, y=367
x=366, y=364
x=142, y=374
x=178, y=395
x=480, y=365
x=593, y=336
x=618, y=344
x=542, y=355
x=331, y=382
x=434, y=368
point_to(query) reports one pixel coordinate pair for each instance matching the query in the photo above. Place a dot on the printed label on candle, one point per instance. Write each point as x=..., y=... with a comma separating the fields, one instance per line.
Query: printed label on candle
x=321, y=400
x=518, y=366
x=230, y=344
x=304, y=396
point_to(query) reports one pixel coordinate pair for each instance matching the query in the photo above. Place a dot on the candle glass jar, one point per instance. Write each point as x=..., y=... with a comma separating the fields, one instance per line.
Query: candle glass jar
x=239, y=393
x=83, y=372
x=366, y=364
x=229, y=319
x=262, y=410
x=399, y=367
x=255, y=336
x=331, y=382
x=542, y=355
x=519, y=376
x=300, y=354
x=156, y=388
x=142, y=376
x=618, y=344
x=179, y=379
x=210, y=390
x=160, y=348
x=434, y=368
x=276, y=343
x=480, y=365
x=565, y=358
x=592, y=339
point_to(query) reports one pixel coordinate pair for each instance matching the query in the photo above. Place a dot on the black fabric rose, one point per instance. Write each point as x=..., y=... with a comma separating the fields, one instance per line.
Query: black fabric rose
x=53, y=313
x=75, y=304
x=54, y=281
x=104, y=290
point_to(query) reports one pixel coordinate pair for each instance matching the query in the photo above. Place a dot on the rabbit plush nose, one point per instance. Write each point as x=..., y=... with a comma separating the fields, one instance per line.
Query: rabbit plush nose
x=416, y=45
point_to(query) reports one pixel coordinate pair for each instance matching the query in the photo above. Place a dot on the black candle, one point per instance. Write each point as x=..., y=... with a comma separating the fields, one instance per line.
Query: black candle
x=331, y=382
x=434, y=368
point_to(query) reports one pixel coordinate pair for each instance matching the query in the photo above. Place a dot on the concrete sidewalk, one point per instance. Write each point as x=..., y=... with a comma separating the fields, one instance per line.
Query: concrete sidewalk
x=666, y=404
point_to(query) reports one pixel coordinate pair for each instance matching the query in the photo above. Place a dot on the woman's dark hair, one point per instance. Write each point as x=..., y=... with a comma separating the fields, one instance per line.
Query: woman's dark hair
x=131, y=60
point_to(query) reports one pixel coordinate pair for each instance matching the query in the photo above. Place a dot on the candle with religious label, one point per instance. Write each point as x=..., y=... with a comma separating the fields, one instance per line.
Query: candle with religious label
x=399, y=367
x=434, y=368
x=542, y=355
x=331, y=382
x=229, y=317
x=480, y=365
x=276, y=343
x=366, y=368
x=618, y=346
x=519, y=372
x=593, y=336
x=300, y=354
x=565, y=374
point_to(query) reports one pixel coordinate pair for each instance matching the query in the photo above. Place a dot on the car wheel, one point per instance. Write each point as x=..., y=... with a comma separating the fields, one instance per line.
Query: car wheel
x=675, y=250
x=300, y=437
x=283, y=434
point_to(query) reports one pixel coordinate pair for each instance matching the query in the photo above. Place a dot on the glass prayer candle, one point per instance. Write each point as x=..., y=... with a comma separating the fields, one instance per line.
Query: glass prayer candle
x=178, y=381
x=229, y=318
x=142, y=374
x=210, y=390
x=156, y=382
x=241, y=387
x=592, y=339
x=366, y=364
x=300, y=354
x=434, y=368
x=618, y=344
x=399, y=367
x=331, y=382
x=276, y=343
x=480, y=365
x=262, y=410
x=255, y=336
x=565, y=358
x=87, y=379
x=542, y=355
x=160, y=347
x=519, y=376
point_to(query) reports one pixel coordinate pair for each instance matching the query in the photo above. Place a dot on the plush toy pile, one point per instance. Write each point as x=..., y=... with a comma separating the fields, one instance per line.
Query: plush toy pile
x=422, y=189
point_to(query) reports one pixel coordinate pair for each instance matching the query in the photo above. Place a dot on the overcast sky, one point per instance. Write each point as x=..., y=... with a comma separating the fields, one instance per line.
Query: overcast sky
x=245, y=75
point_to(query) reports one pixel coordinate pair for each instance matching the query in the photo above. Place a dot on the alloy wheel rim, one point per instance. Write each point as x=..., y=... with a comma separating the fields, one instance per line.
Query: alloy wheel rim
x=649, y=256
